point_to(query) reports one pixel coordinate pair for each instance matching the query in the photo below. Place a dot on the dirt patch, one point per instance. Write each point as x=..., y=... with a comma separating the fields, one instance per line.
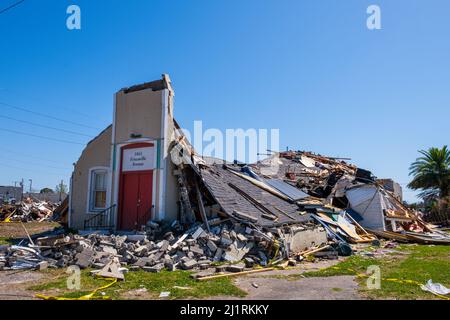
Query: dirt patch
x=14, y=230
x=15, y=283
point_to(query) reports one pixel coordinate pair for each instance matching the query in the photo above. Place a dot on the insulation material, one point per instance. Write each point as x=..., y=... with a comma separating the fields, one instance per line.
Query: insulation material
x=288, y=190
x=368, y=201
x=308, y=162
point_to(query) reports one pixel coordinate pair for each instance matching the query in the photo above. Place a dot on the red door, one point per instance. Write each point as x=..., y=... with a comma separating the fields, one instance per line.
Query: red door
x=136, y=199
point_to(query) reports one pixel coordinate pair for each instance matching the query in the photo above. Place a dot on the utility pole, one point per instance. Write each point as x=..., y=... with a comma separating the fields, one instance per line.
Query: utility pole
x=60, y=190
x=21, y=185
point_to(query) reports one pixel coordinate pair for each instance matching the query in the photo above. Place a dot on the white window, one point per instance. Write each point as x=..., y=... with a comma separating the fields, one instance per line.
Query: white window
x=98, y=190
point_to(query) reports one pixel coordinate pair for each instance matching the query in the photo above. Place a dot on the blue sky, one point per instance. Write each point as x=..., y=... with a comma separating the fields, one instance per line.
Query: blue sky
x=310, y=68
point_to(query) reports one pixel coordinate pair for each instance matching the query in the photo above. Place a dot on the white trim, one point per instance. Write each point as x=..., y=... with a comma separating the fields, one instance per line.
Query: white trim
x=111, y=161
x=116, y=174
x=69, y=218
x=163, y=156
x=108, y=189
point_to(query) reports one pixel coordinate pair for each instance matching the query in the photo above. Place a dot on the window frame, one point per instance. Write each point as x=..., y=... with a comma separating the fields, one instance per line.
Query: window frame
x=91, y=209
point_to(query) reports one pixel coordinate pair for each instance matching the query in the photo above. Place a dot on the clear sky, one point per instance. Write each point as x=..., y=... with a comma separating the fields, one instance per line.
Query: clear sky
x=310, y=68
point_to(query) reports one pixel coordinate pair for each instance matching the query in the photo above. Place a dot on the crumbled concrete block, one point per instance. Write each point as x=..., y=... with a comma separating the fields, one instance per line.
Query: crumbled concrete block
x=221, y=268
x=85, y=258
x=46, y=253
x=202, y=274
x=156, y=268
x=134, y=268
x=226, y=240
x=169, y=236
x=146, y=261
x=196, y=250
x=249, y=262
x=189, y=264
x=62, y=263
x=241, y=237
x=171, y=266
x=136, y=237
x=237, y=251
x=98, y=265
x=292, y=263
x=218, y=255
x=211, y=246
x=197, y=233
x=162, y=245
x=141, y=250
x=42, y=265
x=191, y=242
x=152, y=224
x=236, y=267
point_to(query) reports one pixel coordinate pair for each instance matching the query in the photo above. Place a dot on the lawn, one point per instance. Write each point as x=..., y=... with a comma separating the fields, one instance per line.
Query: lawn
x=178, y=283
x=418, y=263
x=4, y=241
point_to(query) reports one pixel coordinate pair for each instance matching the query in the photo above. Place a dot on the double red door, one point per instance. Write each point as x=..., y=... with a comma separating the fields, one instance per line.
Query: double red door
x=136, y=199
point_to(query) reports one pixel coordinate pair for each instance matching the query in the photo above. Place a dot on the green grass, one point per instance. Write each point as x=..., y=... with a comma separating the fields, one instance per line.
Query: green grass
x=155, y=283
x=419, y=264
x=4, y=241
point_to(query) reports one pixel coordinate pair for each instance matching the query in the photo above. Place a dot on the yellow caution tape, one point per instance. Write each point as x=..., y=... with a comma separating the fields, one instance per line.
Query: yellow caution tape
x=406, y=281
x=90, y=296
x=8, y=218
x=277, y=249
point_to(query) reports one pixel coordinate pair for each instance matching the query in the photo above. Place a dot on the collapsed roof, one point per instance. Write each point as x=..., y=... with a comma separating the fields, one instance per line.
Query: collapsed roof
x=295, y=186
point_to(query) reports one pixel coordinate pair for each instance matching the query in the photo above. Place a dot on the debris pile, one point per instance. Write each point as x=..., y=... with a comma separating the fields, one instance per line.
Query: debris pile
x=341, y=193
x=236, y=245
x=27, y=210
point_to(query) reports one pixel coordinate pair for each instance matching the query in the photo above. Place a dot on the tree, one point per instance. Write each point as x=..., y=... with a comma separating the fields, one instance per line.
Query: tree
x=61, y=188
x=431, y=174
x=46, y=190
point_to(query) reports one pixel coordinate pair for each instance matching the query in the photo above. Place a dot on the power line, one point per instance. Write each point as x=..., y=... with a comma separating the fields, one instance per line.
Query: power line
x=41, y=137
x=46, y=127
x=4, y=150
x=11, y=6
x=33, y=163
x=33, y=98
x=27, y=169
x=47, y=116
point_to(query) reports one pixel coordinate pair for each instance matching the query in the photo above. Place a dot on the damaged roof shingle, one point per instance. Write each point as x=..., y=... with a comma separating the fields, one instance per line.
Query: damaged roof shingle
x=225, y=186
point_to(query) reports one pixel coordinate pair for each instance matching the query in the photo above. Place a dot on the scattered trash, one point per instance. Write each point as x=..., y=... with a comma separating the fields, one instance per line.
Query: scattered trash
x=435, y=288
x=164, y=294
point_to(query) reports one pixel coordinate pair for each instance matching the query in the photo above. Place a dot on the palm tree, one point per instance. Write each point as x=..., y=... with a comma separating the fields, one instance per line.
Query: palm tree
x=431, y=173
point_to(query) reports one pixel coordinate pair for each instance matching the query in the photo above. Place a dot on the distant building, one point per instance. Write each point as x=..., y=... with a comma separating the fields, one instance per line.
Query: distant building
x=393, y=187
x=7, y=193
x=54, y=197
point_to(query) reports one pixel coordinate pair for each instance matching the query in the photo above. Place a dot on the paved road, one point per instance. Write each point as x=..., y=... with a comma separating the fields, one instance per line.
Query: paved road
x=273, y=285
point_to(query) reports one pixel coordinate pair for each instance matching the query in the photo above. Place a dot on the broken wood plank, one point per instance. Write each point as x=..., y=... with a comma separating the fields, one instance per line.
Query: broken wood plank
x=201, y=207
x=234, y=274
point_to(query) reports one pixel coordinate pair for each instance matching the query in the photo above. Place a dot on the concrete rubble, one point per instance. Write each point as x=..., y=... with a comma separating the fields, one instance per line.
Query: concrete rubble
x=230, y=247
